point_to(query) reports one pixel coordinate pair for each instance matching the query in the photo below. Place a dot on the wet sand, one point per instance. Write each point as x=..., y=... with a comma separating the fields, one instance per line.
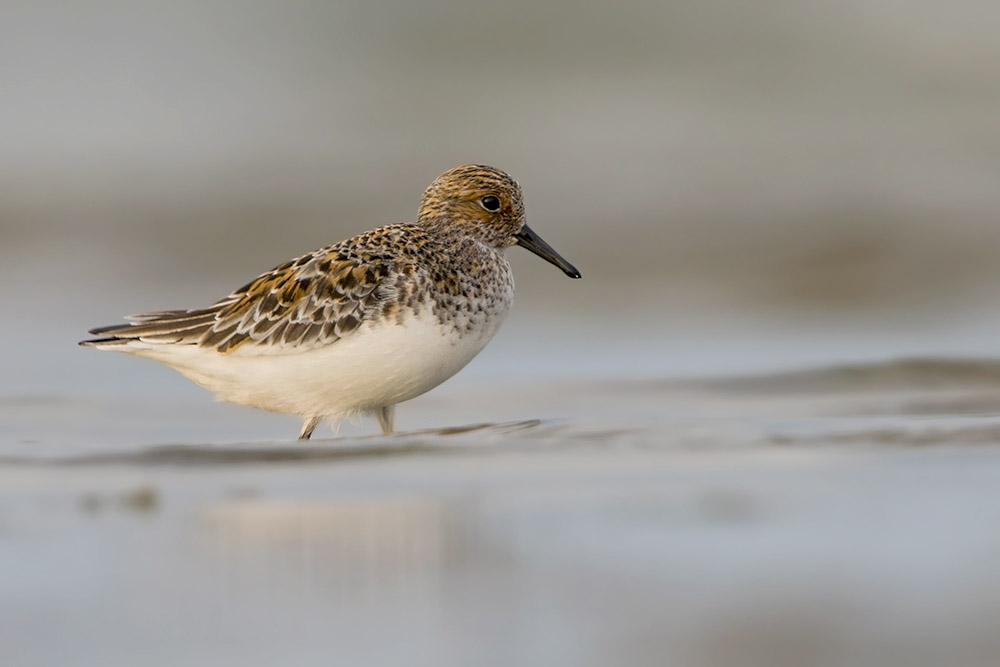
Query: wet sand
x=834, y=516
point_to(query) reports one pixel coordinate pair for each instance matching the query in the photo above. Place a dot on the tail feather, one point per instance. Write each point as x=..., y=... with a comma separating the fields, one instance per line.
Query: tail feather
x=155, y=327
x=171, y=314
x=172, y=326
x=104, y=342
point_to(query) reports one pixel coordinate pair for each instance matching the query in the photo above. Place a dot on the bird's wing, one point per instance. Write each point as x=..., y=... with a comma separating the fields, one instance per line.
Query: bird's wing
x=311, y=301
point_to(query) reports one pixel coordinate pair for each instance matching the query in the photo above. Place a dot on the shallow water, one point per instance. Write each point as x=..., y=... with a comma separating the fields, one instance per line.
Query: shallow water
x=837, y=516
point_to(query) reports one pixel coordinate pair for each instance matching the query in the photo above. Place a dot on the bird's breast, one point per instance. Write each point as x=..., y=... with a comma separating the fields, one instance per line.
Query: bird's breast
x=473, y=302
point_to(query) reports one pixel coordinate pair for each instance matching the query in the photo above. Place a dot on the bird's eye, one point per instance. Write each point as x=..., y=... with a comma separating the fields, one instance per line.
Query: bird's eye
x=490, y=203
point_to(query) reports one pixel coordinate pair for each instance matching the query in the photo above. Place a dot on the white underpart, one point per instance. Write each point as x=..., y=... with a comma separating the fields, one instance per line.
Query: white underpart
x=377, y=365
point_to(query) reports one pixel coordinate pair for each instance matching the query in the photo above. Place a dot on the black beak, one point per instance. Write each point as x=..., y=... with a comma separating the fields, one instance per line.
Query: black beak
x=533, y=242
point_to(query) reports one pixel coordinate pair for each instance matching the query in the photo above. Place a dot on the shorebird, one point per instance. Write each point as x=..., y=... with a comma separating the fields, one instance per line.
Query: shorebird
x=361, y=325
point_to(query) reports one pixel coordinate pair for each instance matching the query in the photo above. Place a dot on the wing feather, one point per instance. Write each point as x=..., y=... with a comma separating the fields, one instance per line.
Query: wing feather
x=311, y=301
x=299, y=304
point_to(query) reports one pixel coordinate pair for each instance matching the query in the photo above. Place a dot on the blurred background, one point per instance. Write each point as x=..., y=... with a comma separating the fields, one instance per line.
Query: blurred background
x=746, y=187
x=758, y=184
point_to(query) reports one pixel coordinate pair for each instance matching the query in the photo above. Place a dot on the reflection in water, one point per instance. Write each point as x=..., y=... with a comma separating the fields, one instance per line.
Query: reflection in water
x=332, y=548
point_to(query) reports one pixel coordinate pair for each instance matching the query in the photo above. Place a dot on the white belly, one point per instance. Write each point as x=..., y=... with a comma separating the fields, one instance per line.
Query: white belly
x=376, y=366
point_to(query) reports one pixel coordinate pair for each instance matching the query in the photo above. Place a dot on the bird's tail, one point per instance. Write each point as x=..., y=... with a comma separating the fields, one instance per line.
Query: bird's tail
x=163, y=327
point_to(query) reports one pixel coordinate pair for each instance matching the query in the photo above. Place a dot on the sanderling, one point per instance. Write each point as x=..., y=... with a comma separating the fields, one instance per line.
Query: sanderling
x=361, y=325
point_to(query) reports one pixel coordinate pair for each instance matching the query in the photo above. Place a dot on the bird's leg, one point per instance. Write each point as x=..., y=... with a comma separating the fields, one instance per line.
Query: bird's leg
x=308, y=427
x=386, y=415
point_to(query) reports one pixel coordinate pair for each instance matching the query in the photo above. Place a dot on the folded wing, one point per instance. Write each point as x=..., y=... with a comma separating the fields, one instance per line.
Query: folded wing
x=310, y=301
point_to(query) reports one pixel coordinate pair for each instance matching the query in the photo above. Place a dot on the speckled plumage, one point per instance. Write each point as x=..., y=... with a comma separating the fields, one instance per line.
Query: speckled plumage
x=360, y=325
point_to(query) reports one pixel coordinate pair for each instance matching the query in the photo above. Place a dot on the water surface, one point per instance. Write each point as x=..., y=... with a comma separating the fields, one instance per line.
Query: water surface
x=842, y=515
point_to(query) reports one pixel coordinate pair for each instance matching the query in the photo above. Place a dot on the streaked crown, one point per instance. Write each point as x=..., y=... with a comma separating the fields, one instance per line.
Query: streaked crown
x=484, y=200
